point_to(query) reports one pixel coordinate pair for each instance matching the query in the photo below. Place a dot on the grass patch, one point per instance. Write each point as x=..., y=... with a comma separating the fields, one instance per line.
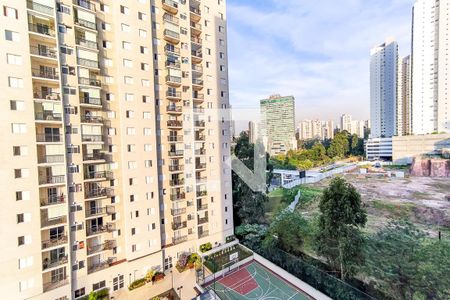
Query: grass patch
x=397, y=167
x=216, y=261
x=420, y=195
x=398, y=210
x=276, y=193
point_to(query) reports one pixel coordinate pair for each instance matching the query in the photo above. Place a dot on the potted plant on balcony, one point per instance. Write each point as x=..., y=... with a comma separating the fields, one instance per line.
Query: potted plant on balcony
x=150, y=275
x=158, y=276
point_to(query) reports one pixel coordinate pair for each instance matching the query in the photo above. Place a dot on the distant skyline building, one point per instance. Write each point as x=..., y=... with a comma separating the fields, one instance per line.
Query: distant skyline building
x=346, y=122
x=430, y=67
x=404, y=96
x=252, y=132
x=383, y=89
x=278, y=123
x=315, y=129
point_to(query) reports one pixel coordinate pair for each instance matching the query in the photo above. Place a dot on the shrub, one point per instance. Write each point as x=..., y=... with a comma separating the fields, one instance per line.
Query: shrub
x=205, y=247
x=182, y=261
x=137, y=284
x=230, y=238
x=150, y=275
x=194, y=258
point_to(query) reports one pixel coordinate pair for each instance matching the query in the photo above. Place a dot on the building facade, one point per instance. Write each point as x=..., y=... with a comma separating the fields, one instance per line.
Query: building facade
x=430, y=67
x=278, y=123
x=115, y=141
x=383, y=89
x=346, y=123
x=315, y=129
x=253, y=132
x=404, y=97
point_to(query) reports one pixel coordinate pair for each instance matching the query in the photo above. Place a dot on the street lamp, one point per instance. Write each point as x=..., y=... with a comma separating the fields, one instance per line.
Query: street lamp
x=179, y=290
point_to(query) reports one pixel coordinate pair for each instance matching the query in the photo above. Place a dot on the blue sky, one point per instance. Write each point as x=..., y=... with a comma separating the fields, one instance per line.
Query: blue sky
x=315, y=50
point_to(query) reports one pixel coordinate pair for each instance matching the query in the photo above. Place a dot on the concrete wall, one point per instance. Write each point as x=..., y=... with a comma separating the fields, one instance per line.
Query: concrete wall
x=405, y=148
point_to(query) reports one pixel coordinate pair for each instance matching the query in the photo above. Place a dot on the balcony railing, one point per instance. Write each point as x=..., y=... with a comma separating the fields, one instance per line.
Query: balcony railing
x=91, y=119
x=88, y=63
x=47, y=96
x=202, y=220
x=94, y=156
x=108, y=245
x=86, y=24
x=89, y=81
x=179, y=239
x=203, y=234
x=91, y=100
x=101, y=265
x=48, y=116
x=198, y=96
x=176, y=153
x=177, y=197
x=201, y=179
x=171, y=18
x=200, y=137
x=49, y=138
x=173, y=79
x=197, y=68
x=170, y=5
x=45, y=73
x=195, y=10
x=86, y=43
x=53, y=200
x=97, y=229
x=173, y=64
x=176, y=182
x=201, y=151
x=196, y=26
x=179, y=225
x=197, y=81
x=99, y=192
x=177, y=168
x=172, y=35
x=199, y=123
x=174, y=123
x=53, y=242
x=200, y=166
x=48, y=286
x=199, y=110
x=202, y=207
x=197, y=41
x=85, y=4
x=91, y=138
x=40, y=8
x=99, y=175
x=51, y=159
x=175, y=138
x=49, y=264
x=202, y=193
x=172, y=50
x=46, y=222
x=178, y=211
x=43, y=51
x=170, y=94
x=172, y=108
x=41, y=29
x=51, y=179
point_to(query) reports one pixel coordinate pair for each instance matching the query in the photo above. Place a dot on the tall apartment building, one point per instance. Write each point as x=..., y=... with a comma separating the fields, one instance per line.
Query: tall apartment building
x=404, y=97
x=278, y=123
x=383, y=89
x=315, y=129
x=430, y=67
x=346, y=123
x=114, y=143
x=253, y=131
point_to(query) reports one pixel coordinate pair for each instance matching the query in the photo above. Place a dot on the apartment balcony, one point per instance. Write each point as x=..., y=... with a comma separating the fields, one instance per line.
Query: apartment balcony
x=175, y=138
x=198, y=69
x=202, y=193
x=52, y=200
x=197, y=83
x=53, y=263
x=43, y=29
x=46, y=222
x=51, y=159
x=86, y=43
x=197, y=44
x=178, y=211
x=196, y=28
x=45, y=73
x=40, y=8
x=108, y=245
x=170, y=6
x=179, y=239
x=91, y=101
x=54, y=242
x=92, y=138
x=44, y=51
x=199, y=110
x=201, y=180
x=174, y=124
x=197, y=56
x=176, y=153
x=173, y=64
x=198, y=97
x=55, y=283
x=99, y=193
x=99, y=175
x=201, y=151
x=48, y=116
x=200, y=137
x=89, y=63
x=98, y=211
x=98, y=266
x=98, y=229
x=201, y=207
x=84, y=4
x=89, y=81
x=196, y=14
x=176, y=168
x=179, y=225
x=92, y=119
x=199, y=123
x=174, y=109
x=49, y=138
x=56, y=179
x=203, y=234
x=171, y=36
x=178, y=197
x=85, y=23
x=176, y=182
x=94, y=156
x=203, y=220
x=47, y=96
x=171, y=18
x=173, y=80
x=173, y=95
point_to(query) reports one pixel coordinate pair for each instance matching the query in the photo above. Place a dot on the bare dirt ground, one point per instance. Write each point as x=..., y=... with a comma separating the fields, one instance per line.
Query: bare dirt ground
x=422, y=200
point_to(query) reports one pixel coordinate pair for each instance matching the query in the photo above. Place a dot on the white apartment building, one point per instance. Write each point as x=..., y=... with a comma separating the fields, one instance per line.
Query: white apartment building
x=346, y=123
x=383, y=89
x=115, y=150
x=315, y=129
x=430, y=67
x=404, y=97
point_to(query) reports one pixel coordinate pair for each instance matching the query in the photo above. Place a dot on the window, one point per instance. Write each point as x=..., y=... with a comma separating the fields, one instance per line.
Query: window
x=23, y=218
x=145, y=99
x=146, y=115
x=132, y=165
x=66, y=50
x=20, y=150
x=145, y=67
x=147, y=131
x=118, y=282
x=131, y=131
x=79, y=293
x=18, y=128
x=26, y=284
x=142, y=16
x=25, y=262
x=127, y=63
x=221, y=28
x=148, y=163
x=15, y=82
x=12, y=36
x=10, y=12
x=99, y=285
x=17, y=105
x=147, y=148
x=125, y=27
x=13, y=59
x=142, y=33
x=104, y=8
x=129, y=114
x=144, y=50
x=129, y=97
x=128, y=80
x=124, y=10
x=131, y=148
x=145, y=83
x=106, y=26
x=107, y=62
x=133, y=248
x=63, y=8
x=107, y=44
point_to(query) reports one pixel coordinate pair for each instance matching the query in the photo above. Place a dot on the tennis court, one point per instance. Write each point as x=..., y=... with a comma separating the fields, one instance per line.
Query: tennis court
x=254, y=281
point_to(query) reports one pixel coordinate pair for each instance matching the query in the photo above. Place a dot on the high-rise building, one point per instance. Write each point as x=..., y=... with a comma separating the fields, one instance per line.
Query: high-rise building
x=315, y=129
x=327, y=130
x=252, y=132
x=358, y=128
x=383, y=89
x=346, y=123
x=278, y=123
x=111, y=130
x=404, y=97
x=430, y=67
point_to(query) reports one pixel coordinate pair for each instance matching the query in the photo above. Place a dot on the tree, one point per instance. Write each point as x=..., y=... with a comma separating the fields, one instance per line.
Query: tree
x=356, y=145
x=339, y=145
x=406, y=264
x=339, y=238
x=251, y=235
x=319, y=152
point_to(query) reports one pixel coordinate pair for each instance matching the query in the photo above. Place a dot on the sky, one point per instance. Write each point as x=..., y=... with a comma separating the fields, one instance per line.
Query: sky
x=315, y=50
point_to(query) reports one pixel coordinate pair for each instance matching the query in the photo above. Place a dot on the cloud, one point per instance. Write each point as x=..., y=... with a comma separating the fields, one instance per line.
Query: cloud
x=317, y=51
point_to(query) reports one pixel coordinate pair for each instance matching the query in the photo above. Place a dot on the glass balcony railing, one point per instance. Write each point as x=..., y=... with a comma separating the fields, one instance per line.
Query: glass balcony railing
x=40, y=7
x=41, y=29
x=85, y=4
